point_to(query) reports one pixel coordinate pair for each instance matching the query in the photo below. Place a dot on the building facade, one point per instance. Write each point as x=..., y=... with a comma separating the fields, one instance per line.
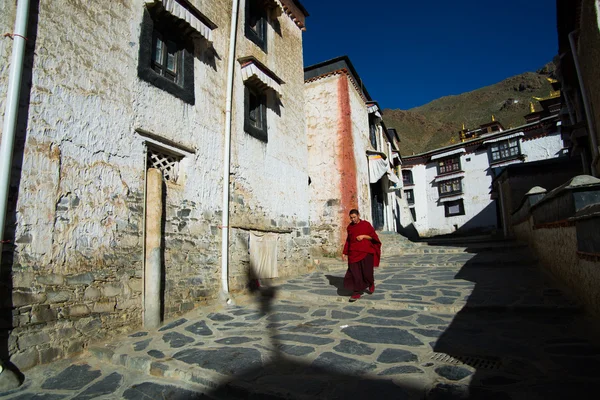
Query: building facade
x=116, y=92
x=450, y=189
x=351, y=154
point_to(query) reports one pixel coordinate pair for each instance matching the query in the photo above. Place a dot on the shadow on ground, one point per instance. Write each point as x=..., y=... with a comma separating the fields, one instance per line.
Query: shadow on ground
x=518, y=336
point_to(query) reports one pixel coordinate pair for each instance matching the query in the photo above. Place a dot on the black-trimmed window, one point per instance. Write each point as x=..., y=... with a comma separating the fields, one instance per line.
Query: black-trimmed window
x=413, y=213
x=453, y=208
x=166, y=55
x=410, y=196
x=407, y=177
x=372, y=132
x=505, y=150
x=255, y=113
x=256, y=23
x=450, y=187
x=448, y=165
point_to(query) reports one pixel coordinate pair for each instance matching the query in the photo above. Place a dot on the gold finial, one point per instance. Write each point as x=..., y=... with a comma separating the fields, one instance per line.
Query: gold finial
x=531, y=107
x=493, y=118
x=463, y=126
x=551, y=80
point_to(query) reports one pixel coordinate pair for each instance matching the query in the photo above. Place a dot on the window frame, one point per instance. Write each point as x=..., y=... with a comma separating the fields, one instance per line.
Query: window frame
x=442, y=170
x=448, y=204
x=260, y=133
x=407, y=181
x=499, y=150
x=257, y=36
x=153, y=27
x=450, y=182
x=410, y=199
x=413, y=213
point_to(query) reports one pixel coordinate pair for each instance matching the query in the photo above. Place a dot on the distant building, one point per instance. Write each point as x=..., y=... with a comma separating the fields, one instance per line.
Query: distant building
x=450, y=189
x=352, y=155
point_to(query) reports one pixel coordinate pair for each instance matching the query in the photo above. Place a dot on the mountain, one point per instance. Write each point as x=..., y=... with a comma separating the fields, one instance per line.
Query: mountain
x=435, y=124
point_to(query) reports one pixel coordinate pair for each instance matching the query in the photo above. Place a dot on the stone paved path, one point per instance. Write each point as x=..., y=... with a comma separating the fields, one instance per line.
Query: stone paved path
x=442, y=324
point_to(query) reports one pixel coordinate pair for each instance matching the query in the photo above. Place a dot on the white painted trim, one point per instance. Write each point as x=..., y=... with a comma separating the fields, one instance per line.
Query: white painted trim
x=451, y=198
x=448, y=153
x=448, y=177
x=500, y=139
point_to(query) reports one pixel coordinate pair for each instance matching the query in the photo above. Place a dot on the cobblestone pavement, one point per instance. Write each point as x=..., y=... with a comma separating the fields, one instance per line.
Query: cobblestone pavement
x=443, y=325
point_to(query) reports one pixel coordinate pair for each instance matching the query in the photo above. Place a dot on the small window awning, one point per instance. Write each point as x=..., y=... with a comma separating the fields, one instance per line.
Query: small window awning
x=505, y=163
x=392, y=177
x=179, y=11
x=448, y=153
x=450, y=176
x=256, y=73
x=450, y=198
x=500, y=139
x=378, y=167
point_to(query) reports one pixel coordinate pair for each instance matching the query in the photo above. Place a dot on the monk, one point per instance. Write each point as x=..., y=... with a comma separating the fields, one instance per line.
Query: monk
x=363, y=250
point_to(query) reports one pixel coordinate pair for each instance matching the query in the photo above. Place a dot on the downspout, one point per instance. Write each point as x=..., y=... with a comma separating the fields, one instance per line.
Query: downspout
x=503, y=210
x=227, y=151
x=12, y=109
x=586, y=105
x=9, y=128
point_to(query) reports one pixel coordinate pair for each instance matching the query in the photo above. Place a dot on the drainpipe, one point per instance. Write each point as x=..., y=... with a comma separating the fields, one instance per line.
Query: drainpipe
x=8, y=137
x=586, y=104
x=503, y=210
x=227, y=151
x=12, y=109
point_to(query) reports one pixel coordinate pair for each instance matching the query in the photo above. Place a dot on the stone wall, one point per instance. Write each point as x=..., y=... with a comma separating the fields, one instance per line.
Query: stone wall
x=562, y=230
x=76, y=214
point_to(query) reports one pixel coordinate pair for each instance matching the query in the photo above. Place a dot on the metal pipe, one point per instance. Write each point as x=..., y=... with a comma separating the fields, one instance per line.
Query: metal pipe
x=227, y=150
x=586, y=105
x=12, y=109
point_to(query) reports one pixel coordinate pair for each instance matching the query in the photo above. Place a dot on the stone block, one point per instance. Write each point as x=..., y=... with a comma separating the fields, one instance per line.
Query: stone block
x=58, y=296
x=20, y=299
x=51, y=354
x=20, y=320
x=42, y=314
x=87, y=325
x=51, y=279
x=75, y=347
x=128, y=304
x=25, y=359
x=78, y=310
x=27, y=340
x=136, y=285
x=105, y=306
x=81, y=279
x=92, y=293
x=22, y=279
x=112, y=290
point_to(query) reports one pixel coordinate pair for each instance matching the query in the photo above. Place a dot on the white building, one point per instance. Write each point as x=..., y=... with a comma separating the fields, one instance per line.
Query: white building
x=114, y=91
x=351, y=155
x=449, y=189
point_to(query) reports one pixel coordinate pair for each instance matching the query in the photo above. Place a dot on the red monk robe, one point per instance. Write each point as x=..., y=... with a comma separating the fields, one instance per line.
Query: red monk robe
x=362, y=255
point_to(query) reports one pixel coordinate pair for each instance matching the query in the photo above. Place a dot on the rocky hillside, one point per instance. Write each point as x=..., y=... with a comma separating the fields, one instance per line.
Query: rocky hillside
x=434, y=124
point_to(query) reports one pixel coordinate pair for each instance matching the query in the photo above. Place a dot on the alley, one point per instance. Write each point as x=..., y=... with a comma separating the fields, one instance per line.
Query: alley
x=475, y=320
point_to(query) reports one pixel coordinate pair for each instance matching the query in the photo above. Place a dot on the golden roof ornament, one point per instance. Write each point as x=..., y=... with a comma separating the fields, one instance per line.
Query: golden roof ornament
x=493, y=118
x=531, y=107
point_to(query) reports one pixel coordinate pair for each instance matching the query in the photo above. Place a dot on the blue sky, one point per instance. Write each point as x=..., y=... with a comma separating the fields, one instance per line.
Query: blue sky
x=409, y=52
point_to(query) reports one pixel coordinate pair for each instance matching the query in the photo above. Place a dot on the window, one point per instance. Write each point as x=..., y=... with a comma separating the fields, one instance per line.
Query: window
x=372, y=133
x=453, y=208
x=505, y=150
x=413, y=213
x=165, y=58
x=407, y=178
x=410, y=196
x=450, y=187
x=448, y=165
x=256, y=23
x=255, y=121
